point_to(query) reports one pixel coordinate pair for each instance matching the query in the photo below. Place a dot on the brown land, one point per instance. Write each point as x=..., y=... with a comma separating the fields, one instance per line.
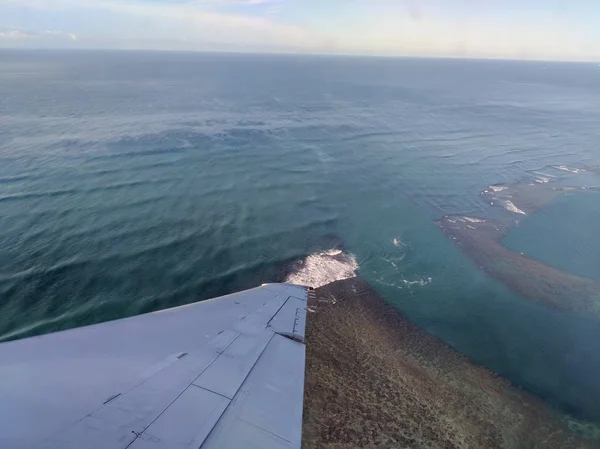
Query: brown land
x=526, y=276
x=373, y=379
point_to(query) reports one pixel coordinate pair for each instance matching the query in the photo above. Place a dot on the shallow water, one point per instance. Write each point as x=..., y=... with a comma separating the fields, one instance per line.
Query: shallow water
x=563, y=234
x=136, y=181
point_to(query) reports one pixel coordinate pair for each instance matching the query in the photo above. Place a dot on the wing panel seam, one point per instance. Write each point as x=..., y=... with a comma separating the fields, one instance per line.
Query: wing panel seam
x=137, y=435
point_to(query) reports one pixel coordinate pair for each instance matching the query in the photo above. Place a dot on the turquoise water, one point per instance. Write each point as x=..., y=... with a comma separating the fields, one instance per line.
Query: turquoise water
x=563, y=234
x=131, y=182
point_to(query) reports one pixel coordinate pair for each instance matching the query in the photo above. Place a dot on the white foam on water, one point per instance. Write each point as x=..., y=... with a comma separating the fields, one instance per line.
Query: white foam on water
x=570, y=170
x=542, y=180
x=509, y=205
x=406, y=283
x=323, y=268
x=333, y=252
x=398, y=243
x=396, y=260
x=473, y=220
x=497, y=188
x=393, y=264
x=419, y=282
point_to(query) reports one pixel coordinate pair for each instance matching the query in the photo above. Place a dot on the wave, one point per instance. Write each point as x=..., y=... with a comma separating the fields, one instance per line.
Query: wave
x=139, y=153
x=74, y=191
x=323, y=268
x=391, y=263
x=501, y=195
x=373, y=134
x=544, y=174
x=571, y=170
x=420, y=282
x=510, y=206
x=11, y=179
x=472, y=220
x=398, y=243
x=116, y=170
x=395, y=261
x=333, y=252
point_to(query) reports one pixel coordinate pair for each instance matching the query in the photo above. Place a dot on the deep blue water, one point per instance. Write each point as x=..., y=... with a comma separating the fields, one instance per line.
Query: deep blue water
x=136, y=181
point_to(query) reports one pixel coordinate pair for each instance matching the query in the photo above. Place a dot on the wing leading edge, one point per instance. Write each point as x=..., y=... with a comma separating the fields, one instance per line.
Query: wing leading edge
x=223, y=373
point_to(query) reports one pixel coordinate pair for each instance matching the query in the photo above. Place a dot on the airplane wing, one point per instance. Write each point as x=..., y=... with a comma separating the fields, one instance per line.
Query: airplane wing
x=222, y=373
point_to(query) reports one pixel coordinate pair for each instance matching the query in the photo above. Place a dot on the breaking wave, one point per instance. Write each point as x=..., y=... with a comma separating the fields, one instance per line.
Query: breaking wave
x=571, y=170
x=323, y=268
x=398, y=243
x=502, y=196
x=510, y=206
x=472, y=220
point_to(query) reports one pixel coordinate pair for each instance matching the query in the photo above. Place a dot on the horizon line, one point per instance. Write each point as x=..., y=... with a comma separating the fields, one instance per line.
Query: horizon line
x=293, y=53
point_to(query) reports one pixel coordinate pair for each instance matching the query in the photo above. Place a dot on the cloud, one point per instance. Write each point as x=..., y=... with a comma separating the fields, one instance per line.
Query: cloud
x=143, y=24
x=17, y=36
x=226, y=28
x=14, y=35
x=58, y=34
x=377, y=27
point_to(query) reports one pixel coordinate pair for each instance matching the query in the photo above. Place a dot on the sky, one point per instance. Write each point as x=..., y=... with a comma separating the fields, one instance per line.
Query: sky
x=513, y=29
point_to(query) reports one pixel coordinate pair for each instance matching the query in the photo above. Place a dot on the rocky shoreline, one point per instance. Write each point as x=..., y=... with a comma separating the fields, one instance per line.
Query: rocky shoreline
x=373, y=379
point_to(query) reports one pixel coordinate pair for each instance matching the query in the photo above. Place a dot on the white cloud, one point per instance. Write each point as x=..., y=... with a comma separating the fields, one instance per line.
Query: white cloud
x=148, y=23
x=407, y=27
x=59, y=34
x=15, y=35
x=23, y=37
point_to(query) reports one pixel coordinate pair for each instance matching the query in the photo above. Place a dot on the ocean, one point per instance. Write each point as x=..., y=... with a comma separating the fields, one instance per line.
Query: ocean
x=136, y=181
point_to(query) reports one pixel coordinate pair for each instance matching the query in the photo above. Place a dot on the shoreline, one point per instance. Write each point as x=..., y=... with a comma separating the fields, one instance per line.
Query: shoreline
x=373, y=379
x=481, y=239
